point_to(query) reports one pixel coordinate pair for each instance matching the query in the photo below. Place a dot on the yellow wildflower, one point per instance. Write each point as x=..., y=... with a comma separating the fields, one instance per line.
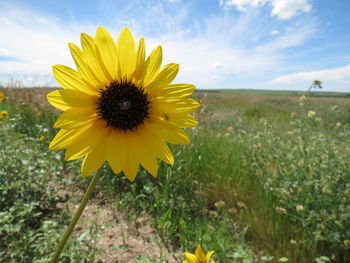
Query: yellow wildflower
x=198, y=256
x=3, y=114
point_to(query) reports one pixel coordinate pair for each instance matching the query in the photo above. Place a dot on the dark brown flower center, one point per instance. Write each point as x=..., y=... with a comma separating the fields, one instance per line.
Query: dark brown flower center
x=123, y=106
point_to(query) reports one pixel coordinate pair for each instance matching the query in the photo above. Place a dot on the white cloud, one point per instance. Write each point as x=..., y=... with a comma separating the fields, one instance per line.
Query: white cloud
x=340, y=74
x=35, y=41
x=4, y=52
x=275, y=32
x=220, y=50
x=213, y=49
x=243, y=5
x=293, y=37
x=39, y=41
x=199, y=60
x=217, y=65
x=286, y=9
x=283, y=9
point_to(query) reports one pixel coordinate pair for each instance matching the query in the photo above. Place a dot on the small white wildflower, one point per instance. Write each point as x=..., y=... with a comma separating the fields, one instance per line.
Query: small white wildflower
x=311, y=114
x=219, y=204
x=241, y=204
x=293, y=242
x=233, y=210
x=281, y=210
x=299, y=208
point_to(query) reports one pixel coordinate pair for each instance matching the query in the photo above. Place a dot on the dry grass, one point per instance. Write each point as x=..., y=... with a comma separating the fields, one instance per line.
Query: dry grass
x=31, y=96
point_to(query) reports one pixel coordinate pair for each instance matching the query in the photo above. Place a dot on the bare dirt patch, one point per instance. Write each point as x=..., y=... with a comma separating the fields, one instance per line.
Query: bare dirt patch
x=115, y=238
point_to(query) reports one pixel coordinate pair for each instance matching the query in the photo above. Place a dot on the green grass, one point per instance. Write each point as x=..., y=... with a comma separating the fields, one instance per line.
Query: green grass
x=260, y=180
x=288, y=161
x=30, y=222
x=324, y=94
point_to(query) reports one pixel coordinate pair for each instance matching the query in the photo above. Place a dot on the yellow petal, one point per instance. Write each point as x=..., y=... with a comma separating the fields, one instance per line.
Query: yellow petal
x=76, y=151
x=183, y=120
x=126, y=54
x=169, y=133
x=92, y=162
x=191, y=258
x=70, y=79
x=140, y=60
x=132, y=163
x=75, y=117
x=88, y=45
x=147, y=159
x=130, y=170
x=208, y=256
x=107, y=52
x=56, y=100
x=150, y=163
x=84, y=68
x=199, y=252
x=152, y=65
x=176, y=90
x=174, y=105
x=95, y=135
x=66, y=137
x=116, y=151
x=156, y=145
x=180, y=120
x=98, y=154
x=165, y=77
x=66, y=99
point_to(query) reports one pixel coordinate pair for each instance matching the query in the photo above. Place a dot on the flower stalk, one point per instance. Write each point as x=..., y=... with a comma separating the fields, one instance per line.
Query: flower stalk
x=77, y=215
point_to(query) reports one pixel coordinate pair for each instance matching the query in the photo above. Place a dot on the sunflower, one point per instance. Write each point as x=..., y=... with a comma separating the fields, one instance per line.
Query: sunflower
x=198, y=257
x=2, y=96
x=120, y=107
x=3, y=114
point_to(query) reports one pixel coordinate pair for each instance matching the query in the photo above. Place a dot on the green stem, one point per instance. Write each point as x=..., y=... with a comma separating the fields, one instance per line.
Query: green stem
x=77, y=215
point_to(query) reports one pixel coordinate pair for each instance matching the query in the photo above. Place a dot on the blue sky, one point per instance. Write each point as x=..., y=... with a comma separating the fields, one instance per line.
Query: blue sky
x=231, y=44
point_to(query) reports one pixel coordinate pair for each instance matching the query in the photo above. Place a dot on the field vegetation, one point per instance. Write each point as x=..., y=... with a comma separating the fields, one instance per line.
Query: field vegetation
x=265, y=179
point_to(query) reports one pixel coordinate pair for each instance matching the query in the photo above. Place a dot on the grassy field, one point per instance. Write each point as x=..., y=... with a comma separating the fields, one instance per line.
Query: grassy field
x=265, y=179
x=325, y=94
